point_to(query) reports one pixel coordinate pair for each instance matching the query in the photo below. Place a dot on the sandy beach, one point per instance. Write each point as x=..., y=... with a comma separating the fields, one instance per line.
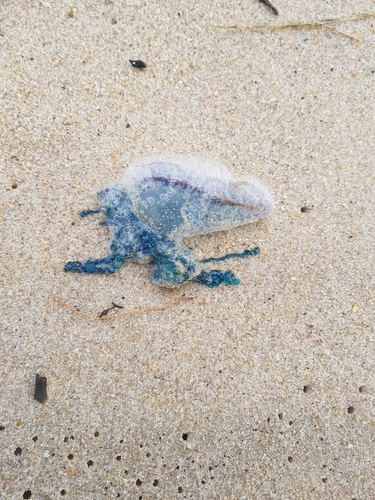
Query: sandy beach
x=264, y=390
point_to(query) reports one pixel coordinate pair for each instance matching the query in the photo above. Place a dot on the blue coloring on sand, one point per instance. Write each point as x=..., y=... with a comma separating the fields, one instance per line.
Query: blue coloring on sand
x=162, y=199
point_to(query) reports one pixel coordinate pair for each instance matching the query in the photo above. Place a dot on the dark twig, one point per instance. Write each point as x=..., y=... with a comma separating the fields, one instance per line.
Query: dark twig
x=322, y=23
x=269, y=4
x=40, y=393
x=118, y=307
x=106, y=311
x=122, y=315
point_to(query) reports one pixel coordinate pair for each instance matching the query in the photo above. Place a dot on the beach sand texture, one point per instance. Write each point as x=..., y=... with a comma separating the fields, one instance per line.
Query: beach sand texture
x=257, y=391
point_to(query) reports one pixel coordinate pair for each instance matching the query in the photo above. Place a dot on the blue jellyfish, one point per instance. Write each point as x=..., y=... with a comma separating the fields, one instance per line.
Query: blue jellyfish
x=161, y=200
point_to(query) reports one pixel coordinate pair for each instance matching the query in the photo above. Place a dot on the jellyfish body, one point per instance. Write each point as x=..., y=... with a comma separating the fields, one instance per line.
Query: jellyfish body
x=162, y=199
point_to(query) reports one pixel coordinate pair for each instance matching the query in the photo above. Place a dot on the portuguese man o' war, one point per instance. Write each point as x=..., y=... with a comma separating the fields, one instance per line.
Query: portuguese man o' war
x=161, y=200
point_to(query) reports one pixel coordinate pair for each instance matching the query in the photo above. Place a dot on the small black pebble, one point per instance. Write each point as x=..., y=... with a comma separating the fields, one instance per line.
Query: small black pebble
x=27, y=494
x=40, y=388
x=35, y=439
x=156, y=482
x=2, y=427
x=184, y=436
x=128, y=125
x=138, y=482
x=14, y=185
x=137, y=63
x=90, y=463
x=18, y=451
x=304, y=209
x=63, y=492
x=351, y=409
